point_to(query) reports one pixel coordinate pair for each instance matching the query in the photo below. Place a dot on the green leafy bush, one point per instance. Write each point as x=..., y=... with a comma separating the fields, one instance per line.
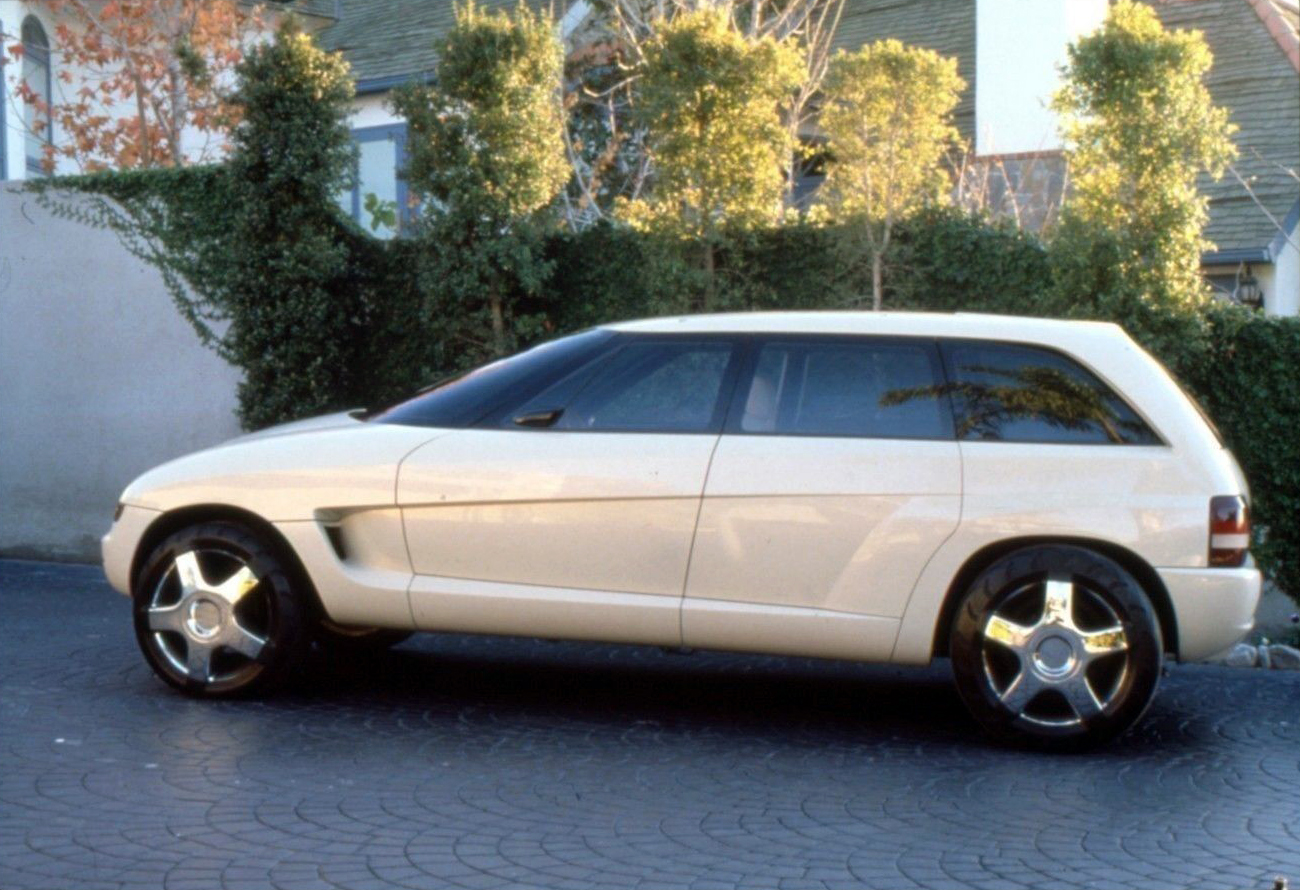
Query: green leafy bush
x=1246, y=379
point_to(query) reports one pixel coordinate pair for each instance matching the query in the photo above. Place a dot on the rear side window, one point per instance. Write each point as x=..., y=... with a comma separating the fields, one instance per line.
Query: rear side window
x=1011, y=393
x=653, y=386
x=844, y=387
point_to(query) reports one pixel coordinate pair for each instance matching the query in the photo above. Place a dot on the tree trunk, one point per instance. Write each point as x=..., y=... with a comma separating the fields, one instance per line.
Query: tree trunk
x=877, y=280
x=498, y=323
x=707, y=304
x=179, y=110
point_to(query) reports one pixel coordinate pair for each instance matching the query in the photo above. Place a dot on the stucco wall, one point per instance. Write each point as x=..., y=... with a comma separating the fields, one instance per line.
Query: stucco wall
x=1019, y=48
x=100, y=379
x=1283, y=297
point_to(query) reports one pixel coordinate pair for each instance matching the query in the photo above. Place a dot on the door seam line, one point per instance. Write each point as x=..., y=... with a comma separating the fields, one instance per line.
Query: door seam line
x=690, y=553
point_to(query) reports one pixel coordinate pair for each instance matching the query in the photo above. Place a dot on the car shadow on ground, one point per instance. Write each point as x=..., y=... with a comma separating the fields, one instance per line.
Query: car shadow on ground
x=609, y=688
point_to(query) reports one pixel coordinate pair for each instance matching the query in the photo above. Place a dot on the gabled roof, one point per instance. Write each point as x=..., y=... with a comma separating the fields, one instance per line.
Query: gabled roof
x=1253, y=76
x=945, y=26
x=388, y=42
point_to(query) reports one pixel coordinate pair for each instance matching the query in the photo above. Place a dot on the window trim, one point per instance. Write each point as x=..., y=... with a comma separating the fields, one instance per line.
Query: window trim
x=4, y=127
x=397, y=133
x=947, y=343
x=736, y=408
x=46, y=54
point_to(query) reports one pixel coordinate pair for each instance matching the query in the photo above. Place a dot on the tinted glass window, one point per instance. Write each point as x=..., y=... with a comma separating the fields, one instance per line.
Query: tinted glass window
x=847, y=388
x=663, y=386
x=461, y=400
x=1024, y=394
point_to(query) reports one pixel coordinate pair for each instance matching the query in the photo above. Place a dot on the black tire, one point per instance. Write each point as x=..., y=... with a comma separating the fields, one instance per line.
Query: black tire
x=1028, y=675
x=205, y=642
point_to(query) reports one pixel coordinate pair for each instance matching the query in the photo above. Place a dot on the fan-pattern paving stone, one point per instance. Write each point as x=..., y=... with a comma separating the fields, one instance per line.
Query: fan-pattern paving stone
x=467, y=762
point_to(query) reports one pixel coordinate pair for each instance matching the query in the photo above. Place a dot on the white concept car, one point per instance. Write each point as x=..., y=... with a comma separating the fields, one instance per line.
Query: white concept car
x=1036, y=499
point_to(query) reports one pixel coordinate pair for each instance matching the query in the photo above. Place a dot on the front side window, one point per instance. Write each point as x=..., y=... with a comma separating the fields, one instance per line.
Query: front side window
x=463, y=399
x=36, y=78
x=653, y=386
x=841, y=387
x=1012, y=393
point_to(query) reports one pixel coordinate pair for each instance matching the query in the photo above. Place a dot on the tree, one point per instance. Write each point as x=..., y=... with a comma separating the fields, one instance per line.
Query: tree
x=485, y=147
x=1141, y=127
x=607, y=138
x=148, y=71
x=289, y=292
x=888, y=122
x=711, y=100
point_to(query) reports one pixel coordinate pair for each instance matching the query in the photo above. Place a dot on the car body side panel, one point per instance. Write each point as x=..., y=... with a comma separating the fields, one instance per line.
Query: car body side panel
x=1215, y=608
x=466, y=606
x=839, y=524
x=574, y=517
x=1147, y=499
x=369, y=587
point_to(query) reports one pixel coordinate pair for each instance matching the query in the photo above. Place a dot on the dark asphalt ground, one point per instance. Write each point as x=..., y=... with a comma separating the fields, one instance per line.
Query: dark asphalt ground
x=479, y=762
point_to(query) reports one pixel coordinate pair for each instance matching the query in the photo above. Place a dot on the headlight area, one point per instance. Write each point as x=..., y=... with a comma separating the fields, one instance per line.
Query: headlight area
x=119, y=545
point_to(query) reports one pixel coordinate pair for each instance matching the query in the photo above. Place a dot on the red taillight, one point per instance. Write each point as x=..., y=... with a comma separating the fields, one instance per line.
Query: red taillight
x=1229, y=530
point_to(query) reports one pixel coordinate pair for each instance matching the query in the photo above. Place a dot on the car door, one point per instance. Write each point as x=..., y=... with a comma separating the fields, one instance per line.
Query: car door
x=571, y=515
x=835, y=480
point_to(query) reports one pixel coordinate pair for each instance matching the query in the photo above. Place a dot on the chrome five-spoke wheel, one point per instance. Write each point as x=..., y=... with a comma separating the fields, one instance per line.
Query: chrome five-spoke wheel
x=215, y=611
x=202, y=627
x=1056, y=644
x=1063, y=667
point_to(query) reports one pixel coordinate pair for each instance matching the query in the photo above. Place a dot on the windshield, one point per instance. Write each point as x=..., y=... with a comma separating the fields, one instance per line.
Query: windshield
x=462, y=399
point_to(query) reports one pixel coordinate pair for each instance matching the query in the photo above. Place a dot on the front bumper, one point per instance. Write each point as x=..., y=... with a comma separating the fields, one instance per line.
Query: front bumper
x=1214, y=608
x=119, y=545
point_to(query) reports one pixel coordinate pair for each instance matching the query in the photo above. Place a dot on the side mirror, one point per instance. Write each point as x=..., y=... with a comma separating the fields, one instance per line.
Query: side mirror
x=539, y=419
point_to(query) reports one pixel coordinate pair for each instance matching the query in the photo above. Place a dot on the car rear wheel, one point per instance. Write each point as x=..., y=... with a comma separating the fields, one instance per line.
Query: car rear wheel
x=1057, y=646
x=217, y=612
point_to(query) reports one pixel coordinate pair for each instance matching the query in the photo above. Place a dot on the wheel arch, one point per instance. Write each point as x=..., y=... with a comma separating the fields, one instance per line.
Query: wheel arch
x=1135, y=565
x=184, y=517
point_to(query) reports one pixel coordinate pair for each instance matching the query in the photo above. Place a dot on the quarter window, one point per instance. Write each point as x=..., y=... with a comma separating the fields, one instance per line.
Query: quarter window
x=1012, y=393
x=873, y=389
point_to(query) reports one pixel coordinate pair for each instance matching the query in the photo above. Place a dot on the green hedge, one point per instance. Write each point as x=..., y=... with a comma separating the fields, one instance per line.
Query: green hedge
x=1248, y=379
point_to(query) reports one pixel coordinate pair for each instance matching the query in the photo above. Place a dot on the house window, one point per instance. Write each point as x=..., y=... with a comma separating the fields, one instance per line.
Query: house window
x=381, y=154
x=36, y=76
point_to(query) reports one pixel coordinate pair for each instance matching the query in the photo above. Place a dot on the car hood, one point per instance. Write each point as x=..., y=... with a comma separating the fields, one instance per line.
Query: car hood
x=288, y=472
x=338, y=420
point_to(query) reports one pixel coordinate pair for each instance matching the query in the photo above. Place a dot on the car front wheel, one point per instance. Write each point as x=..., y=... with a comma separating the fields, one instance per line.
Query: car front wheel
x=217, y=612
x=1057, y=646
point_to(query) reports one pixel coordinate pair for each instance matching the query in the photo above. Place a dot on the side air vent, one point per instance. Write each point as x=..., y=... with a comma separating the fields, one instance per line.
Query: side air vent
x=335, y=535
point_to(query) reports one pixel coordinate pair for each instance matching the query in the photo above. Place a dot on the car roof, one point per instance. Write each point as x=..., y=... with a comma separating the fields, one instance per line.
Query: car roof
x=924, y=324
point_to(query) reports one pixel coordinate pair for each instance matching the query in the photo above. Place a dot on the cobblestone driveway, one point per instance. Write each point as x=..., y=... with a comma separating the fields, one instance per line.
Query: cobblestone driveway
x=462, y=762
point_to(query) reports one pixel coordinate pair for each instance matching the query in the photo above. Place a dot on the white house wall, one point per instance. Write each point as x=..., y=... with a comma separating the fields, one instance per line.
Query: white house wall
x=371, y=110
x=102, y=380
x=196, y=143
x=1282, y=295
x=1019, y=48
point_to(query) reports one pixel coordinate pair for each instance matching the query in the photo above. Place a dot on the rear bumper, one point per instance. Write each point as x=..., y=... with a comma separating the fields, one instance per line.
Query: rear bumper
x=119, y=545
x=1214, y=608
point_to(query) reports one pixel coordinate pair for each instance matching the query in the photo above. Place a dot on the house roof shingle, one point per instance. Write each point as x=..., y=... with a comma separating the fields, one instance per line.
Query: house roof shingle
x=945, y=26
x=385, y=40
x=1253, y=77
